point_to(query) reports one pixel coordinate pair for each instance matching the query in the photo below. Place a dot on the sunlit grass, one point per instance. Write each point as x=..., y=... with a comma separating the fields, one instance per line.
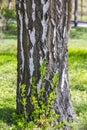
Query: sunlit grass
x=78, y=75
x=7, y=80
x=8, y=72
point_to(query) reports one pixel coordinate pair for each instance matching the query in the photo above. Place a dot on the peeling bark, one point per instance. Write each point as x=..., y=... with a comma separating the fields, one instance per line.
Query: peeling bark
x=43, y=35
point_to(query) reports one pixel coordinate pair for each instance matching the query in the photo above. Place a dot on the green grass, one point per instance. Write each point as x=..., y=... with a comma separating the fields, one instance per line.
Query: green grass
x=77, y=76
x=8, y=46
x=78, y=37
x=8, y=67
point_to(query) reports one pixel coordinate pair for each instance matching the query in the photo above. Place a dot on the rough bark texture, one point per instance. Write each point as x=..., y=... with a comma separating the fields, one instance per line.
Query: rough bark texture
x=43, y=35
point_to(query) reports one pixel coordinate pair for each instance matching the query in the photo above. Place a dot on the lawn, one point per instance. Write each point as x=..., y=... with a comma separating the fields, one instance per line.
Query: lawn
x=8, y=65
x=77, y=76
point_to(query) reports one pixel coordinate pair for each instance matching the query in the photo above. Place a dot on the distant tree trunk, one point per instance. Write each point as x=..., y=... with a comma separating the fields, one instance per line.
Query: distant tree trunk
x=43, y=35
x=76, y=13
x=9, y=4
x=1, y=1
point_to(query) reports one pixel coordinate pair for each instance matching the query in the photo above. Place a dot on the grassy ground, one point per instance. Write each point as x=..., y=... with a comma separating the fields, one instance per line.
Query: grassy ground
x=8, y=65
x=77, y=75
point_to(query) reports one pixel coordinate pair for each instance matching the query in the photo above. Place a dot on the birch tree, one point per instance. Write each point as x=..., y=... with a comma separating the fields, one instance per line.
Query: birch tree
x=9, y=4
x=43, y=30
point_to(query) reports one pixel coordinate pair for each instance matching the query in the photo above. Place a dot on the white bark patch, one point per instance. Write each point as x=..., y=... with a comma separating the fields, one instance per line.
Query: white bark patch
x=54, y=37
x=54, y=42
x=59, y=10
x=39, y=85
x=20, y=84
x=45, y=49
x=41, y=59
x=42, y=2
x=33, y=13
x=32, y=36
x=26, y=16
x=33, y=41
x=64, y=78
x=21, y=39
x=19, y=100
x=31, y=66
x=28, y=91
x=45, y=7
x=64, y=33
x=44, y=22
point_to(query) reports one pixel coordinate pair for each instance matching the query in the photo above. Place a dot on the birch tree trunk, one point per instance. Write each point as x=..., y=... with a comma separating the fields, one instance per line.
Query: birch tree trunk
x=9, y=4
x=43, y=35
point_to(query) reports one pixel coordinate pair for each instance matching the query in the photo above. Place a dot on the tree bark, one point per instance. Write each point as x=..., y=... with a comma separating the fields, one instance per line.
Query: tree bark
x=43, y=35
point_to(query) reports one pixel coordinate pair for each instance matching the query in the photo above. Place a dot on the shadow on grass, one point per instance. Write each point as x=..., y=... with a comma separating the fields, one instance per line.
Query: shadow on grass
x=11, y=31
x=8, y=54
x=10, y=35
x=80, y=87
x=78, y=33
x=81, y=111
x=80, y=108
x=6, y=115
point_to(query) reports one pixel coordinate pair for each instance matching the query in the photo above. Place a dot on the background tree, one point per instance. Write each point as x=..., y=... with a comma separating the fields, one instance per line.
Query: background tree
x=9, y=4
x=43, y=29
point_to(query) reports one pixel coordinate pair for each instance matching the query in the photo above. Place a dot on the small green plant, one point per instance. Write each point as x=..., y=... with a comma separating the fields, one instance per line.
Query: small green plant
x=20, y=120
x=43, y=70
x=21, y=123
x=44, y=115
x=24, y=99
